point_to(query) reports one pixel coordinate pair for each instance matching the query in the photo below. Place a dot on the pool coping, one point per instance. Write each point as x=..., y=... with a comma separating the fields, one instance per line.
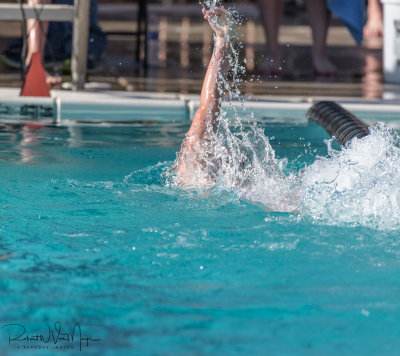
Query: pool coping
x=121, y=104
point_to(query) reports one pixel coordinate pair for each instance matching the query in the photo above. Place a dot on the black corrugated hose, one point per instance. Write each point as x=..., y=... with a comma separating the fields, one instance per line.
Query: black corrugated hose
x=337, y=121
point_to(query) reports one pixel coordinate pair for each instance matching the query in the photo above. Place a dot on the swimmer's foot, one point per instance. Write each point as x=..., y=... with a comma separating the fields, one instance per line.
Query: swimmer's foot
x=323, y=67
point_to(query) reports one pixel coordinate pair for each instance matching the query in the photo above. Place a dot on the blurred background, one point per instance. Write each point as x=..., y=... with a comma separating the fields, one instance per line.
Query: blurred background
x=179, y=46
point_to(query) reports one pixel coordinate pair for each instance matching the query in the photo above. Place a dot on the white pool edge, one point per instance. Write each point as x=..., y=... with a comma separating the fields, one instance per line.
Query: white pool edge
x=181, y=105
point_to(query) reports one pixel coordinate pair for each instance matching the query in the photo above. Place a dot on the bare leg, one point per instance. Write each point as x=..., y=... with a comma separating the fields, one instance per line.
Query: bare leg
x=210, y=99
x=374, y=25
x=319, y=21
x=271, y=15
x=37, y=32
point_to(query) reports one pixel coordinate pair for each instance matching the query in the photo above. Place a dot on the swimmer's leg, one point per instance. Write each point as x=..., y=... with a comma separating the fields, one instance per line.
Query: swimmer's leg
x=210, y=100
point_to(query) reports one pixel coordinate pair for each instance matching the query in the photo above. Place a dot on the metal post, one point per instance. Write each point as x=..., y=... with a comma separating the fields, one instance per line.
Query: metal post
x=80, y=43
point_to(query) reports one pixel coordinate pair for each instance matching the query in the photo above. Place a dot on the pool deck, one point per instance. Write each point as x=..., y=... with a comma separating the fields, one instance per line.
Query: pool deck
x=359, y=67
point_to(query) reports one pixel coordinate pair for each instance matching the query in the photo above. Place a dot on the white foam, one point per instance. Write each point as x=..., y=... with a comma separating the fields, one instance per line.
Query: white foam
x=359, y=184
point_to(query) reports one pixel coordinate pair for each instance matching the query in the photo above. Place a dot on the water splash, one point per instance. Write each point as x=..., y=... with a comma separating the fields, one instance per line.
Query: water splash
x=359, y=184
x=234, y=157
x=209, y=4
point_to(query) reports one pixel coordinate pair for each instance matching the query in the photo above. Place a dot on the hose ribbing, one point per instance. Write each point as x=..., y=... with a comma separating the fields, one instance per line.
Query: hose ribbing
x=337, y=121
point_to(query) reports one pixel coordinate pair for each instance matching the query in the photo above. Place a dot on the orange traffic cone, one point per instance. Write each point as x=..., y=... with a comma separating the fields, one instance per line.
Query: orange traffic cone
x=35, y=79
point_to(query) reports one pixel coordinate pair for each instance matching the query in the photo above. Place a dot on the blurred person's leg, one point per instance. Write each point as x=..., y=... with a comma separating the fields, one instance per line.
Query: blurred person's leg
x=374, y=25
x=271, y=15
x=319, y=21
x=37, y=32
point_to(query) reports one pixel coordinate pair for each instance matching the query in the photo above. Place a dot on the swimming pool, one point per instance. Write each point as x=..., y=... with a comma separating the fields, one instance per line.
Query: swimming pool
x=91, y=234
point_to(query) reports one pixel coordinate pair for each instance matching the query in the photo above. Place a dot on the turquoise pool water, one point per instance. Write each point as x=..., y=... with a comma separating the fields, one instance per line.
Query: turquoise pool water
x=91, y=234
